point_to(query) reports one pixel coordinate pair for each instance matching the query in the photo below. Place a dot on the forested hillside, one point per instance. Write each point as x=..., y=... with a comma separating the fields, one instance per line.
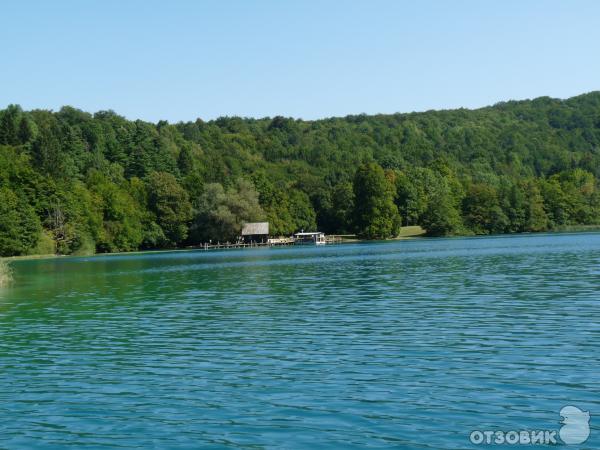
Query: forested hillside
x=74, y=182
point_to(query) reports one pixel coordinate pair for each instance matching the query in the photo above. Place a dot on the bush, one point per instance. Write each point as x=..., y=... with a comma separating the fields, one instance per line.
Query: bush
x=45, y=246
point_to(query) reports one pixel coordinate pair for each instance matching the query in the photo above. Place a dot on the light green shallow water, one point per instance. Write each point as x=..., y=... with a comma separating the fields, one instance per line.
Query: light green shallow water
x=407, y=344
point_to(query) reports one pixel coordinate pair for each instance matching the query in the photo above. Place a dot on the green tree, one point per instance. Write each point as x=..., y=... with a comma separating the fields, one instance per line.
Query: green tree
x=343, y=204
x=442, y=218
x=412, y=194
x=482, y=211
x=171, y=205
x=75, y=219
x=86, y=176
x=10, y=122
x=19, y=225
x=185, y=160
x=121, y=215
x=536, y=218
x=375, y=214
x=515, y=205
x=579, y=187
x=221, y=213
x=556, y=203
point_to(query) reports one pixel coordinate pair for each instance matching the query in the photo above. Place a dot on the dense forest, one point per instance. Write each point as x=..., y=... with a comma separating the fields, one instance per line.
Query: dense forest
x=77, y=183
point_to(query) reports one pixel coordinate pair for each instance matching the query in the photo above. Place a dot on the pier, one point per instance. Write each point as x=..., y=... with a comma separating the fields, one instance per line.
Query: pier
x=272, y=242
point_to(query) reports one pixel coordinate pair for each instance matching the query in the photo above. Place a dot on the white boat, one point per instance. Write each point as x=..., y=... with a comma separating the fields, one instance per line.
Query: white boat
x=312, y=237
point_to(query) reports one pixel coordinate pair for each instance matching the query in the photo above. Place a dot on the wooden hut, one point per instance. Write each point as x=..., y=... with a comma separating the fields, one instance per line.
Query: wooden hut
x=255, y=232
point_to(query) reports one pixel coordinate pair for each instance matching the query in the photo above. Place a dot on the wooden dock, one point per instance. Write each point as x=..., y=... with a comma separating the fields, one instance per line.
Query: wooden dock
x=274, y=242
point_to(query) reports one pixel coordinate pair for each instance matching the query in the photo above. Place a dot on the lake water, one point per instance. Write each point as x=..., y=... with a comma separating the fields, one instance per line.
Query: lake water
x=408, y=344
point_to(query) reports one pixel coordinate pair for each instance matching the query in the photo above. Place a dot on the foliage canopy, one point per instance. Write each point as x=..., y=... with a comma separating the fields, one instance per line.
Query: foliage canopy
x=79, y=182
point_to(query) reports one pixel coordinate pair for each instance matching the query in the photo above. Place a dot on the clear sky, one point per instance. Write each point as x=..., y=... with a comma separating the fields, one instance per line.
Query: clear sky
x=179, y=60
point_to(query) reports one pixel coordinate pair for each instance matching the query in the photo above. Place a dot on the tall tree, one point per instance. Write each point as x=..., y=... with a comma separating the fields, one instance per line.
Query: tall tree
x=170, y=202
x=482, y=210
x=375, y=213
x=221, y=213
x=19, y=226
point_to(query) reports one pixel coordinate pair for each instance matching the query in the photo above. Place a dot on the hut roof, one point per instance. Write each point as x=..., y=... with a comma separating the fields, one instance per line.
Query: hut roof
x=254, y=228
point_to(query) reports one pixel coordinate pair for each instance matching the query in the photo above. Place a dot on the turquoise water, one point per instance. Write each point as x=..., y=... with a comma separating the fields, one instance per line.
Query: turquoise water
x=409, y=344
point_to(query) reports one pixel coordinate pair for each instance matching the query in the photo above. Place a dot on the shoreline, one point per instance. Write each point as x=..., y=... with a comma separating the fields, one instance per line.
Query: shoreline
x=412, y=233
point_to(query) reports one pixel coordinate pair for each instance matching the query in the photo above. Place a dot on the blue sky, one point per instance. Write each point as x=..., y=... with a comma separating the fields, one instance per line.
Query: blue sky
x=179, y=60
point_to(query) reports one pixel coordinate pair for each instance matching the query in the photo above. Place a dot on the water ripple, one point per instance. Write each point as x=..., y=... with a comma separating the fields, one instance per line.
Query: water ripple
x=387, y=345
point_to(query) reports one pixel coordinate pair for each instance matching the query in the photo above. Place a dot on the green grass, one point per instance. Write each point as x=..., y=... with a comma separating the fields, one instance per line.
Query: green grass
x=412, y=231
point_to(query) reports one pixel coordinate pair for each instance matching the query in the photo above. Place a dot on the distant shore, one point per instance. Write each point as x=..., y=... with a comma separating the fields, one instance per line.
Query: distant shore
x=406, y=233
